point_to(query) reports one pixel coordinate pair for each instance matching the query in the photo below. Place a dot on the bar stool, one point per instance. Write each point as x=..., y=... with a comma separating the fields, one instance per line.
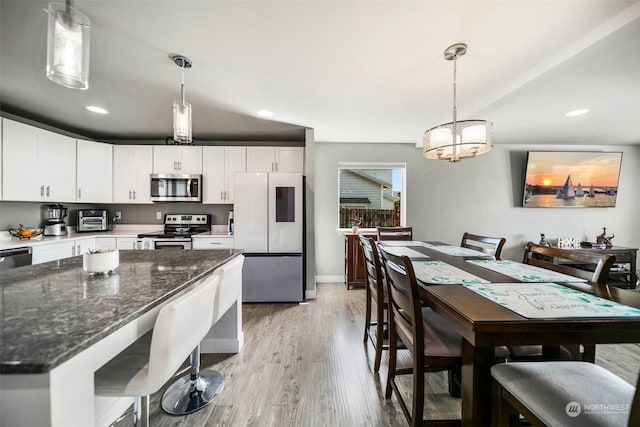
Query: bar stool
x=143, y=369
x=185, y=394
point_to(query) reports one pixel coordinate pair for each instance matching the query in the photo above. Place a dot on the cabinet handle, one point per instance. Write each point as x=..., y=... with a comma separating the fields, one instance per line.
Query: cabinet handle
x=48, y=192
x=73, y=251
x=129, y=194
x=42, y=191
x=134, y=194
x=179, y=166
x=215, y=243
x=175, y=166
x=79, y=193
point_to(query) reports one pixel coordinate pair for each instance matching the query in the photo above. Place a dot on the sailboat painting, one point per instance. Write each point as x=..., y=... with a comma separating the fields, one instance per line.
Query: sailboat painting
x=550, y=178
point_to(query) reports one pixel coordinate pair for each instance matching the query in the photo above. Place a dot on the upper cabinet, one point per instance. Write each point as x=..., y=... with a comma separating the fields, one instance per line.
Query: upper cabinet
x=177, y=159
x=275, y=159
x=37, y=165
x=95, y=172
x=132, y=165
x=219, y=165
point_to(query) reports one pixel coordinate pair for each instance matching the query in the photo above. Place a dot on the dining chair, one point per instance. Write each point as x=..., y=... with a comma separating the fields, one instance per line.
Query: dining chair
x=572, y=263
x=489, y=245
x=143, y=368
x=395, y=233
x=433, y=344
x=562, y=394
x=376, y=293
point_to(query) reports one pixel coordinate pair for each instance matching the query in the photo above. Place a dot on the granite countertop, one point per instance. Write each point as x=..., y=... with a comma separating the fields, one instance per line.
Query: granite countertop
x=51, y=312
x=7, y=241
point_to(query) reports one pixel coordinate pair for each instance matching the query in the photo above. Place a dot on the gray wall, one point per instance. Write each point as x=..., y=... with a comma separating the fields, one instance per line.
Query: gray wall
x=481, y=195
x=33, y=214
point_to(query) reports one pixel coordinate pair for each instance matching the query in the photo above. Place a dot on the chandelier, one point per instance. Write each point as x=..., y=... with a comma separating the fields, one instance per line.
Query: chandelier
x=457, y=140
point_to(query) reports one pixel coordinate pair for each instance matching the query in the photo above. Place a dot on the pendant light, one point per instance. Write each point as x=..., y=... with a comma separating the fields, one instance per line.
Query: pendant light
x=68, y=33
x=182, y=133
x=459, y=139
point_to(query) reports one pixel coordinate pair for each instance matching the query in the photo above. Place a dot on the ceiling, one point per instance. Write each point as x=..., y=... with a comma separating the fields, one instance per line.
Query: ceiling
x=354, y=71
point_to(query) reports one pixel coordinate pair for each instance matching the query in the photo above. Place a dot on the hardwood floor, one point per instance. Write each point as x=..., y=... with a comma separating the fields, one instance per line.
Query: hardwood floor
x=305, y=365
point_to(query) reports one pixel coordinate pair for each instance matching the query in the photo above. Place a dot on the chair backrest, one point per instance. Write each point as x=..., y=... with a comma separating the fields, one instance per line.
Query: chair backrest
x=395, y=233
x=404, y=300
x=373, y=265
x=489, y=245
x=180, y=326
x=553, y=258
x=230, y=287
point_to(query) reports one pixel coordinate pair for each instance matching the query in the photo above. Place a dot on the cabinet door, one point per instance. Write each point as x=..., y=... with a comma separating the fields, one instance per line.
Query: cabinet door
x=95, y=172
x=260, y=159
x=235, y=160
x=176, y=159
x=143, y=163
x=84, y=246
x=190, y=160
x=126, y=242
x=106, y=243
x=131, y=169
x=289, y=159
x=52, y=251
x=211, y=243
x=57, y=164
x=213, y=174
x=19, y=162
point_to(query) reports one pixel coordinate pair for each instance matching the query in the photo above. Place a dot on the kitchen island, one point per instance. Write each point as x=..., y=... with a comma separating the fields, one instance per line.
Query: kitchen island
x=59, y=325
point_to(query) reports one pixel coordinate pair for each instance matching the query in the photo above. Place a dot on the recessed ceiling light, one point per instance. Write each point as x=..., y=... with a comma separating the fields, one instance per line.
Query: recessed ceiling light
x=265, y=113
x=96, y=109
x=579, y=112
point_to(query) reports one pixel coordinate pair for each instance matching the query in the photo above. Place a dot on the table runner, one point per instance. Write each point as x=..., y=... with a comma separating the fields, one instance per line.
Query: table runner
x=524, y=272
x=403, y=251
x=550, y=300
x=438, y=272
x=457, y=251
x=402, y=243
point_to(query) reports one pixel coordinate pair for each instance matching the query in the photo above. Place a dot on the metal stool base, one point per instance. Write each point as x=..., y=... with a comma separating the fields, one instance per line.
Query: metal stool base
x=186, y=395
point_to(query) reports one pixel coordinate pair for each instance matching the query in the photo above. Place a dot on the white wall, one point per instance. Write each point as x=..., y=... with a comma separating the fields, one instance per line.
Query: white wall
x=482, y=195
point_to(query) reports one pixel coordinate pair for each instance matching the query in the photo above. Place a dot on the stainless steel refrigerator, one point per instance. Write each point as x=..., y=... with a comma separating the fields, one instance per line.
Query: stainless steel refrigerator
x=268, y=226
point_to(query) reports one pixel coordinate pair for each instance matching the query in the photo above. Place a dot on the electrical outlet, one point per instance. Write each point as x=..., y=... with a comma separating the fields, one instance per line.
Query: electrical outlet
x=158, y=215
x=118, y=215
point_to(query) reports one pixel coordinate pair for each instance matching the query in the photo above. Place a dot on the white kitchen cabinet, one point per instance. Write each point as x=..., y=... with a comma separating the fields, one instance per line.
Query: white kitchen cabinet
x=211, y=243
x=275, y=159
x=84, y=246
x=37, y=165
x=177, y=159
x=106, y=243
x=53, y=251
x=128, y=243
x=219, y=165
x=94, y=172
x=132, y=165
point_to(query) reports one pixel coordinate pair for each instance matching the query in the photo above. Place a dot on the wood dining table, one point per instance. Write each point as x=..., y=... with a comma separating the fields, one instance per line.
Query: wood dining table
x=484, y=324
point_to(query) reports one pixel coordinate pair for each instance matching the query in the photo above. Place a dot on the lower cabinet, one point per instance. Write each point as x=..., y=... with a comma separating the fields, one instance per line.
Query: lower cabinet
x=61, y=250
x=105, y=243
x=126, y=242
x=212, y=242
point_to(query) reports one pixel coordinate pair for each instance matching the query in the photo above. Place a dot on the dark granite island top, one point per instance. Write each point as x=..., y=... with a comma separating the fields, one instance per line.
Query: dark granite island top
x=50, y=312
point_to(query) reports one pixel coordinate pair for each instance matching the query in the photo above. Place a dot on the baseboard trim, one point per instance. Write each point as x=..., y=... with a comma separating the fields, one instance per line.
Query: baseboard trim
x=330, y=279
x=228, y=345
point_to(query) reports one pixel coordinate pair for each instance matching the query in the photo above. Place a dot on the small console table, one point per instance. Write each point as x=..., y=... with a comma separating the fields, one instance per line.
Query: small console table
x=354, y=268
x=619, y=276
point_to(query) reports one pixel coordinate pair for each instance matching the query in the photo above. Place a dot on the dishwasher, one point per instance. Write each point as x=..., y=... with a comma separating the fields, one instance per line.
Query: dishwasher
x=14, y=257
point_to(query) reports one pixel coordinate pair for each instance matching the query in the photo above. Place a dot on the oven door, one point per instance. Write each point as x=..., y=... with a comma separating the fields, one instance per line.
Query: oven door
x=172, y=244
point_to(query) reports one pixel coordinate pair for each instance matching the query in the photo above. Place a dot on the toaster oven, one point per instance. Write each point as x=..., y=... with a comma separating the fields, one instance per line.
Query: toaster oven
x=92, y=220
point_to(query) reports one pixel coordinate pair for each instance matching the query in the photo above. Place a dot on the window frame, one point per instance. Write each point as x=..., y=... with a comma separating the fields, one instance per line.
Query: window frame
x=376, y=165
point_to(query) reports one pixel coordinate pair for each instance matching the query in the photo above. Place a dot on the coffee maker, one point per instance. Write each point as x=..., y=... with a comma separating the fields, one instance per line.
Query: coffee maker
x=55, y=225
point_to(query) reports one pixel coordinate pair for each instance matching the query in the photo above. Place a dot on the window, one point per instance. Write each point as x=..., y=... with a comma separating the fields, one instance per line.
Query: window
x=371, y=194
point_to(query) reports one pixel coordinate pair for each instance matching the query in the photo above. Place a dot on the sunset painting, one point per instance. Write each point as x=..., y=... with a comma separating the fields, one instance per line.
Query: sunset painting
x=571, y=179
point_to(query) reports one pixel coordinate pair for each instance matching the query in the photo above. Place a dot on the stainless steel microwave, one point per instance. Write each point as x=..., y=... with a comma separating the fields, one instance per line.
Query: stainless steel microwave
x=176, y=188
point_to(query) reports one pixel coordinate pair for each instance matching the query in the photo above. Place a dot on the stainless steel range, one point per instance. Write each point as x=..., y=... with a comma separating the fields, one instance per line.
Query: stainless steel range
x=177, y=232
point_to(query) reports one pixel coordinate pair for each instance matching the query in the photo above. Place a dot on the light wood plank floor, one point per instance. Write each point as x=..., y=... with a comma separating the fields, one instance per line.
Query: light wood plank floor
x=305, y=365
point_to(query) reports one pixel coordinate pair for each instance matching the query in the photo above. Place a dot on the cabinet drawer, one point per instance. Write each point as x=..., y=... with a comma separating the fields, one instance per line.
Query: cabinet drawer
x=212, y=243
